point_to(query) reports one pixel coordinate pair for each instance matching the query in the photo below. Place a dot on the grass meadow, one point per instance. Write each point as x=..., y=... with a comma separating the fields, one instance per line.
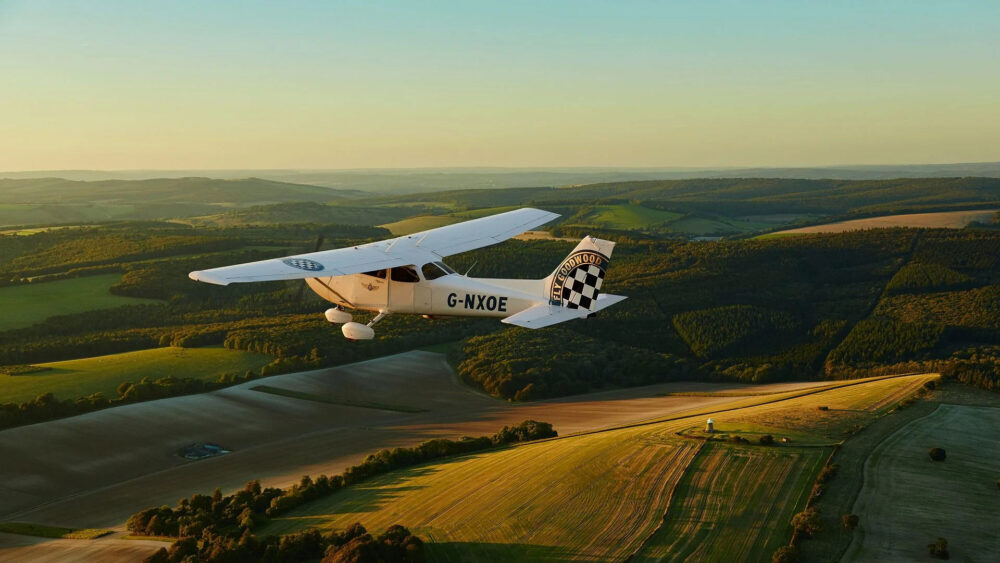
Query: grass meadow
x=908, y=500
x=425, y=222
x=25, y=305
x=627, y=217
x=44, y=531
x=79, y=378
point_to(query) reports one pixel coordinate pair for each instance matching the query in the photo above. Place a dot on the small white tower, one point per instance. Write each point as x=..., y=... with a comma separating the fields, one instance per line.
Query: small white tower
x=710, y=426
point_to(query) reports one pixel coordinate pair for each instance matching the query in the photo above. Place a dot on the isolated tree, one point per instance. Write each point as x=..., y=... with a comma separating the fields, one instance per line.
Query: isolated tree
x=937, y=454
x=850, y=521
x=767, y=440
x=807, y=522
x=939, y=549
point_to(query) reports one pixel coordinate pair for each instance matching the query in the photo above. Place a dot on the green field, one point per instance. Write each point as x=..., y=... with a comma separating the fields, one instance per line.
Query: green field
x=79, y=378
x=25, y=305
x=718, y=225
x=604, y=496
x=955, y=499
x=421, y=223
x=43, y=531
x=627, y=217
x=424, y=222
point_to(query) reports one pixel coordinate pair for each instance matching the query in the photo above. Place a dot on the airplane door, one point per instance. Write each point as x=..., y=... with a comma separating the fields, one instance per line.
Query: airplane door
x=421, y=298
x=370, y=290
x=403, y=281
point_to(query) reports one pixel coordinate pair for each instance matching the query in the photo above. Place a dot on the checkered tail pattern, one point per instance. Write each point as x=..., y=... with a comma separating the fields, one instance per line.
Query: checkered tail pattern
x=582, y=286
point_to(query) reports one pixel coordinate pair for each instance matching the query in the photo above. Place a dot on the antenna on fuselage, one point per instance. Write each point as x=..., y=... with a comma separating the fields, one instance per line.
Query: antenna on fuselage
x=470, y=268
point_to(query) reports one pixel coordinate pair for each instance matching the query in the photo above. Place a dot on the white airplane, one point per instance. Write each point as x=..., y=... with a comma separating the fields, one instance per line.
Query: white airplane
x=406, y=275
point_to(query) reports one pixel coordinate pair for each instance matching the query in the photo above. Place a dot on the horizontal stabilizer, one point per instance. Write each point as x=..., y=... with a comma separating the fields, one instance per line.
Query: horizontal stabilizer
x=544, y=315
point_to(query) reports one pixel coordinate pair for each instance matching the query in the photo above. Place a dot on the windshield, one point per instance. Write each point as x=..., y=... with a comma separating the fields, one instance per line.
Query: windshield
x=433, y=271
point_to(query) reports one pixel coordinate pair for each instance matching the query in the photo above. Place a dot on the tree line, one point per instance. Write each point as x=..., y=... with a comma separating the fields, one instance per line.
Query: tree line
x=353, y=544
x=225, y=524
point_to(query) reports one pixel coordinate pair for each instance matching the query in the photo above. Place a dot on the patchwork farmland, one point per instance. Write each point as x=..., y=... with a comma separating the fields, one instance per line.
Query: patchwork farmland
x=555, y=499
x=630, y=477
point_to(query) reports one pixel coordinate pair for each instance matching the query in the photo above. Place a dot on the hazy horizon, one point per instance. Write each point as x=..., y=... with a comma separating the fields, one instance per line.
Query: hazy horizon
x=115, y=85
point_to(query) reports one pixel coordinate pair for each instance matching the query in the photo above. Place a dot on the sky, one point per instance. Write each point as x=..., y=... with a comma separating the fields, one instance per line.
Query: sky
x=371, y=84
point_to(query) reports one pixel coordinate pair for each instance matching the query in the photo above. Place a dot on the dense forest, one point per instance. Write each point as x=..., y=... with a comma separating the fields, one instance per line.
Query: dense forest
x=804, y=307
x=745, y=196
x=753, y=310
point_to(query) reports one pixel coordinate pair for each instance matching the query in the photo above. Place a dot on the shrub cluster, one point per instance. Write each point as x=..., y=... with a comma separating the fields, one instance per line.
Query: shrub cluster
x=354, y=544
x=939, y=549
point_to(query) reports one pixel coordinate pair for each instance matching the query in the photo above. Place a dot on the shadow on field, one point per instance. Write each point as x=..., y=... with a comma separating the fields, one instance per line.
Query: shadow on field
x=482, y=551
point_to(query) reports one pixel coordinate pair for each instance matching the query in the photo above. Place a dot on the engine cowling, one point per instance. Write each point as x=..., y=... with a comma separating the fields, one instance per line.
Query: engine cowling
x=338, y=316
x=357, y=331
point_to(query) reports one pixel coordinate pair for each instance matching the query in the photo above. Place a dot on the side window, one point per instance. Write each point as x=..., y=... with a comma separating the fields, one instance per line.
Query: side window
x=432, y=271
x=404, y=274
x=376, y=274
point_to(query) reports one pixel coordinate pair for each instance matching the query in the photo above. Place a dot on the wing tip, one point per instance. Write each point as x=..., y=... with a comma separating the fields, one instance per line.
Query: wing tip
x=201, y=276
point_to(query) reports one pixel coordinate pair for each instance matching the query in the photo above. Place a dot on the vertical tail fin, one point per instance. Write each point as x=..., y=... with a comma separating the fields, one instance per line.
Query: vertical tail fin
x=576, y=283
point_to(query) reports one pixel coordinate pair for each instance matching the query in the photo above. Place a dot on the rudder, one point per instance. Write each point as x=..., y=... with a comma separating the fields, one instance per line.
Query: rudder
x=577, y=281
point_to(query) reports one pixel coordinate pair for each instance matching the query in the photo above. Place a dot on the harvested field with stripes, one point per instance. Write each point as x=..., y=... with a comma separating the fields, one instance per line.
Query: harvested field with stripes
x=597, y=497
x=603, y=495
x=735, y=503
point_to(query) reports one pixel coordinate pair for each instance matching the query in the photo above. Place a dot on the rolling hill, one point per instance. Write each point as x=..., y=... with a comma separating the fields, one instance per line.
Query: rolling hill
x=55, y=200
x=619, y=493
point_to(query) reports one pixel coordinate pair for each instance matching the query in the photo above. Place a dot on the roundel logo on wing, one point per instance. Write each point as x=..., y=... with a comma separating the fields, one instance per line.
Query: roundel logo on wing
x=577, y=281
x=303, y=264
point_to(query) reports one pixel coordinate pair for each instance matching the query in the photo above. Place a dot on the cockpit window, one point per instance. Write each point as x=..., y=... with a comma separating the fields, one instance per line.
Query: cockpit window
x=433, y=271
x=404, y=274
x=444, y=267
x=376, y=274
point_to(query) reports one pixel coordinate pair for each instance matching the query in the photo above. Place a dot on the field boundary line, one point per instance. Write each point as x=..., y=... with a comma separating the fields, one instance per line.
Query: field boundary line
x=797, y=395
x=670, y=502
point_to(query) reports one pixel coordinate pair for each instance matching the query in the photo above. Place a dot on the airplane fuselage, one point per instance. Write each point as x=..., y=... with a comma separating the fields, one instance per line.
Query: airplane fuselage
x=448, y=295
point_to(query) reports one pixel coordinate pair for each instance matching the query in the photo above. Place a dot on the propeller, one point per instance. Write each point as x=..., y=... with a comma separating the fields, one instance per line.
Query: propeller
x=319, y=243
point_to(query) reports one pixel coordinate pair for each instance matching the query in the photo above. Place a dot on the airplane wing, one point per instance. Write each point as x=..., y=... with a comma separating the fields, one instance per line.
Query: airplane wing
x=544, y=315
x=477, y=233
x=418, y=248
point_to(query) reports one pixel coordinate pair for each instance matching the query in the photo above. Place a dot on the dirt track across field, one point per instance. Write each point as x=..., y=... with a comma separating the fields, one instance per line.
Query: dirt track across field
x=96, y=469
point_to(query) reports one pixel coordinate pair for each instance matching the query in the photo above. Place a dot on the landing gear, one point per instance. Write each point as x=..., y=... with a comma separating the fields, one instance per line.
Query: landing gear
x=357, y=331
x=338, y=316
x=381, y=315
